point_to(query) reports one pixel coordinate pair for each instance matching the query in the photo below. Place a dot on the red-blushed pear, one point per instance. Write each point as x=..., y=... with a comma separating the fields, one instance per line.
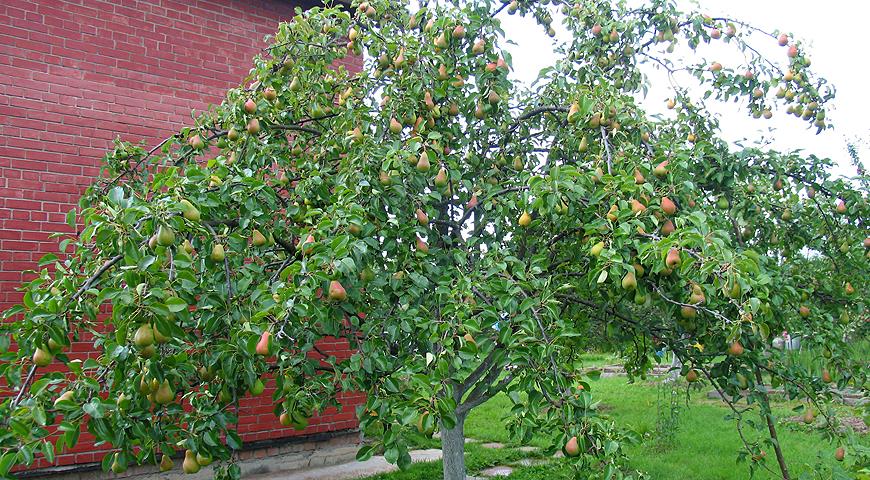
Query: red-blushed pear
x=270, y=94
x=841, y=206
x=849, y=289
x=715, y=67
x=253, y=126
x=661, y=170
x=668, y=228
x=782, y=40
x=196, y=142
x=638, y=177
x=672, y=260
x=422, y=218
x=668, y=206
x=265, y=344
x=629, y=281
x=688, y=312
x=525, y=219
x=285, y=419
x=671, y=103
x=792, y=51
x=840, y=454
x=422, y=246
x=459, y=32
x=692, y=376
x=572, y=448
x=337, y=293
x=472, y=202
x=596, y=29
x=395, y=126
x=42, y=358
x=258, y=239
x=809, y=416
x=867, y=242
x=250, y=106
x=826, y=376
x=715, y=34
x=441, y=41
x=735, y=349
x=804, y=311
x=442, y=72
x=573, y=113
x=636, y=207
x=479, y=46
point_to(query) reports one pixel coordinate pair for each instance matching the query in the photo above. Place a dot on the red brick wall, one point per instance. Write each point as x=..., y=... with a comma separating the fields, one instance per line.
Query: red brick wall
x=75, y=74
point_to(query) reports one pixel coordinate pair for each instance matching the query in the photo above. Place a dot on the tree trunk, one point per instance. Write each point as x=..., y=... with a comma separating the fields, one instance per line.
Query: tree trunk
x=771, y=428
x=453, y=449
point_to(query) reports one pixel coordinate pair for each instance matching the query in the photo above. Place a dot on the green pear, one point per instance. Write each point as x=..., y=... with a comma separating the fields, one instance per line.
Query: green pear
x=164, y=393
x=217, y=253
x=165, y=236
x=258, y=239
x=42, y=358
x=189, y=211
x=144, y=336
x=190, y=465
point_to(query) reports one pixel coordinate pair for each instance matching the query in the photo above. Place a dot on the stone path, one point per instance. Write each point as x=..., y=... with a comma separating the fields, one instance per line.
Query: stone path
x=378, y=464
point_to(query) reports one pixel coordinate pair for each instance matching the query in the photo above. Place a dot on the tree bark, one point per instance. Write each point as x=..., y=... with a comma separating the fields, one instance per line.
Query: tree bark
x=453, y=449
x=771, y=427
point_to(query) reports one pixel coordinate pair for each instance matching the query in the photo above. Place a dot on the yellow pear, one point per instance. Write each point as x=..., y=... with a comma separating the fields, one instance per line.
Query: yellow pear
x=164, y=394
x=258, y=239
x=190, y=465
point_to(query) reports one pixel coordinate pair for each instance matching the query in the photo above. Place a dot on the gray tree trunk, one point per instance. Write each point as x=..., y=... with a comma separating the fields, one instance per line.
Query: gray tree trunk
x=453, y=449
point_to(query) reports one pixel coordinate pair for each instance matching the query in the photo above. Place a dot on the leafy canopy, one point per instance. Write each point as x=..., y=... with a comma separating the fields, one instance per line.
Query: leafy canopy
x=462, y=233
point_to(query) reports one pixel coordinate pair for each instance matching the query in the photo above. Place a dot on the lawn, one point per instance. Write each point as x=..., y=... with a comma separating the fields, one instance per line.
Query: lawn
x=704, y=446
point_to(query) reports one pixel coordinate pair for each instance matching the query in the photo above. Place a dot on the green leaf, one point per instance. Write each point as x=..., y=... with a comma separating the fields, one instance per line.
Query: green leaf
x=176, y=304
x=6, y=462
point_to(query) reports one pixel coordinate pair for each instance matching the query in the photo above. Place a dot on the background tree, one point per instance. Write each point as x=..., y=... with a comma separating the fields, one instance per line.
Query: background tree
x=466, y=235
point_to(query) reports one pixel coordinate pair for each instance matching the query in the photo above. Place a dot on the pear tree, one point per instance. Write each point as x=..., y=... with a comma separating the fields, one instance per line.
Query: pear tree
x=465, y=234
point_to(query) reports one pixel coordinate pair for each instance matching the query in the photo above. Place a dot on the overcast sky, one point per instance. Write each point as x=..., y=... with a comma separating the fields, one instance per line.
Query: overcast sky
x=833, y=35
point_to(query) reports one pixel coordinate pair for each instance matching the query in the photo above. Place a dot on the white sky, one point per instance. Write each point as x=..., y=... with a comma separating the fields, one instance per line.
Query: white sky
x=833, y=35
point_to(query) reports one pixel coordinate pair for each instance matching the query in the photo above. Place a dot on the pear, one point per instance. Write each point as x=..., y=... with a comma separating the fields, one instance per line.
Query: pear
x=165, y=236
x=422, y=218
x=196, y=142
x=638, y=177
x=672, y=260
x=826, y=376
x=732, y=290
x=253, y=126
x=258, y=239
x=473, y=202
x=250, y=106
x=841, y=207
x=257, y=388
x=42, y=358
x=164, y=393
x=611, y=214
x=66, y=396
x=636, y=207
x=441, y=178
x=270, y=94
x=423, y=164
x=337, y=292
x=422, y=246
x=596, y=249
x=478, y=47
x=189, y=211
x=668, y=228
x=441, y=41
x=159, y=337
x=742, y=381
x=849, y=289
x=525, y=219
x=117, y=466
x=190, y=465
x=735, y=349
x=144, y=336
x=367, y=275
x=804, y=311
x=786, y=215
x=692, y=376
x=688, y=312
x=166, y=463
x=668, y=206
x=395, y=126
x=722, y=203
x=572, y=449
x=661, y=170
x=840, y=454
x=809, y=417
x=285, y=419
x=574, y=113
x=264, y=344
x=518, y=163
x=295, y=85
x=187, y=246
x=459, y=32
x=217, y=253
x=584, y=144
x=629, y=282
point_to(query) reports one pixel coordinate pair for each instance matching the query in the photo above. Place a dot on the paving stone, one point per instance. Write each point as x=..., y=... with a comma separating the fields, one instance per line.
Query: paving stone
x=492, y=445
x=528, y=449
x=348, y=471
x=528, y=462
x=499, y=471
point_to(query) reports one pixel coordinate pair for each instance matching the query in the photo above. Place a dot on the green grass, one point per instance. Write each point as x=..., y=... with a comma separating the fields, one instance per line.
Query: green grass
x=704, y=447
